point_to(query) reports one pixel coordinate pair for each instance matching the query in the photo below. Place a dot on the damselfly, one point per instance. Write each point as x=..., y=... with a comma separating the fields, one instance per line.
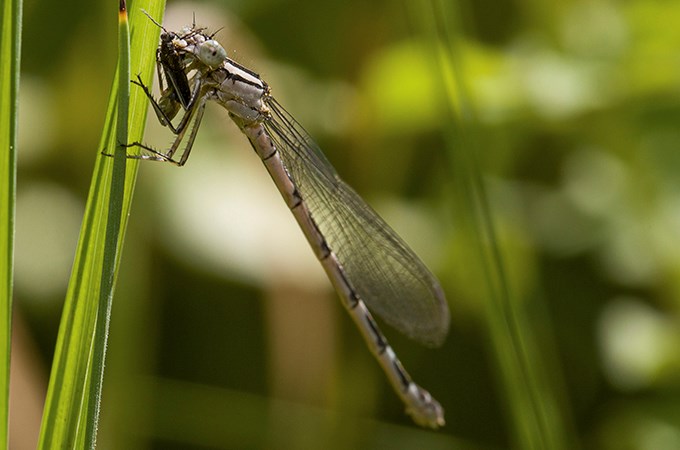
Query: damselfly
x=367, y=263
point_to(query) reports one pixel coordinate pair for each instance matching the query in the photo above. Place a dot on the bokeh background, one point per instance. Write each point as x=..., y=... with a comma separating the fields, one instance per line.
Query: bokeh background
x=225, y=333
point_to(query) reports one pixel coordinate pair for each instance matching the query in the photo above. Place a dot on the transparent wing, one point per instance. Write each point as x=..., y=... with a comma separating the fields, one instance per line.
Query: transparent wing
x=382, y=269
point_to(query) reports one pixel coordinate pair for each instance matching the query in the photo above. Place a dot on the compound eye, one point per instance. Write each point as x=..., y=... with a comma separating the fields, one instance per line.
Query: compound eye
x=211, y=53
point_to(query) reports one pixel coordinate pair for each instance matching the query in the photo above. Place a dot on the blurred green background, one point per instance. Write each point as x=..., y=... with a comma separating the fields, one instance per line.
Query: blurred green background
x=225, y=333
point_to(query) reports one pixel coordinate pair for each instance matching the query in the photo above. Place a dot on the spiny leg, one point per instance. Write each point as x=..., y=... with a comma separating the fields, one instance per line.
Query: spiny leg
x=166, y=108
x=195, y=115
x=194, y=111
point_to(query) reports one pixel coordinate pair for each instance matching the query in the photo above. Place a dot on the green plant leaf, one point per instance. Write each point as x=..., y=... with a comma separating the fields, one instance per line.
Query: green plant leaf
x=69, y=419
x=537, y=420
x=10, y=56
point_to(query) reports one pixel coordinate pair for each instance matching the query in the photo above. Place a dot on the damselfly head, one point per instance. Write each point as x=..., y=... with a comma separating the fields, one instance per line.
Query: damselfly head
x=211, y=53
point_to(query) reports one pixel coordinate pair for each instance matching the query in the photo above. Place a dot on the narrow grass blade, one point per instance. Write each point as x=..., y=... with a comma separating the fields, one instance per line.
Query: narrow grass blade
x=10, y=56
x=112, y=243
x=69, y=419
x=537, y=418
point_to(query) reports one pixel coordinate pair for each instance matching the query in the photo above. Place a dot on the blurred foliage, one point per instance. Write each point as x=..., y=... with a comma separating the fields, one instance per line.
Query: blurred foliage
x=224, y=332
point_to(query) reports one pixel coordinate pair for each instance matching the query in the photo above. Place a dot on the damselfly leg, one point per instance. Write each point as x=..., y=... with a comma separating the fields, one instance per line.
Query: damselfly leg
x=191, y=121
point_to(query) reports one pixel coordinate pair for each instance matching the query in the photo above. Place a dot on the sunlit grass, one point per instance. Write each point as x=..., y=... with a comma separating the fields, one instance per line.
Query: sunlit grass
x=70, y=417
x=10, y=56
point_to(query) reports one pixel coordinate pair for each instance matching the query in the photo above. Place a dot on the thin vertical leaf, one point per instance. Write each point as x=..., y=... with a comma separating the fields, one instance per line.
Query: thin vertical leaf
x=113, y=238
x=10, y=56
x=536, y=417
x=70, y=414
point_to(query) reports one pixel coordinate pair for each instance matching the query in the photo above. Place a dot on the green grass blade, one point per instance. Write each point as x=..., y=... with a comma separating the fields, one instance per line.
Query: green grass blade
x=536, y=417
x=70, y=414
x=113, y=224
x=10, y=56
